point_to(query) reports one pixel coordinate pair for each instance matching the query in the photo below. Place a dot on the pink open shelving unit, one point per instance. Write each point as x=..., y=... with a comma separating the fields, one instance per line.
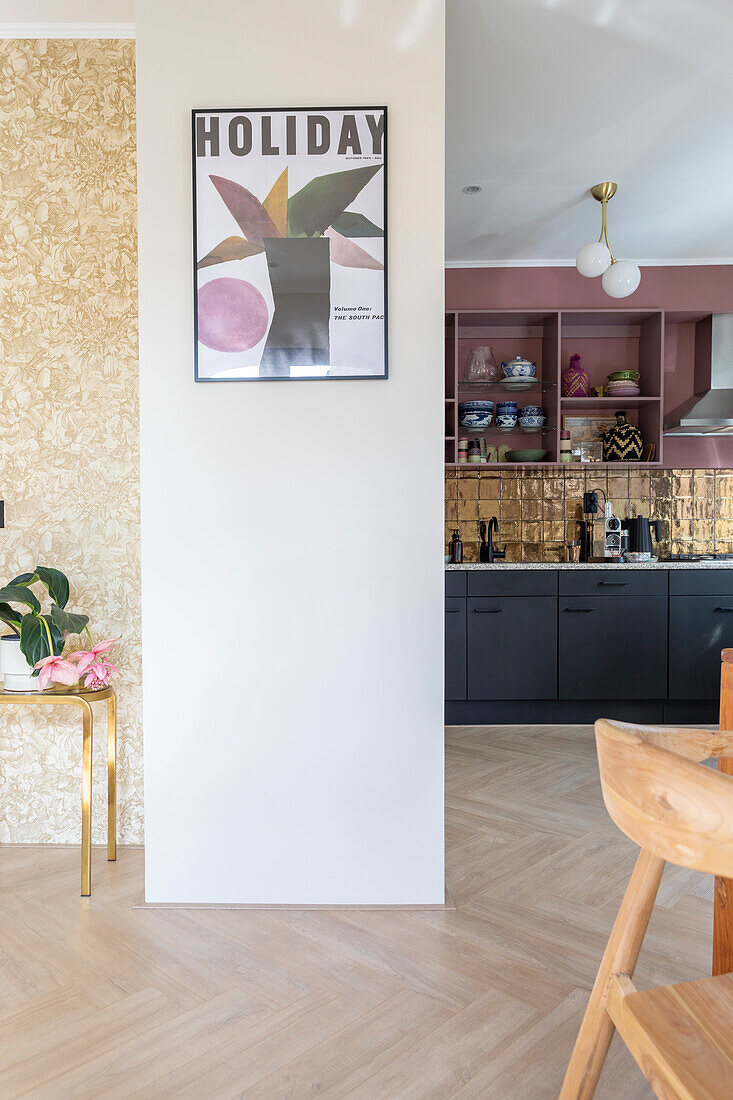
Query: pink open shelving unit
x=607, y=340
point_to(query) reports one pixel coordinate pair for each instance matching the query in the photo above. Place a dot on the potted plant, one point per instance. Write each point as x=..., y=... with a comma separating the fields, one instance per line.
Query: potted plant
x=31, y=656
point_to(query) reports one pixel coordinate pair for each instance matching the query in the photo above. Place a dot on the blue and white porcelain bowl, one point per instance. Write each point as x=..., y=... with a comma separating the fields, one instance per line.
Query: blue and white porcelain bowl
x=518, y=368
x=506, y=421
x=475, y=414
x=531, y=423
x=506, y=406
x=532, y=410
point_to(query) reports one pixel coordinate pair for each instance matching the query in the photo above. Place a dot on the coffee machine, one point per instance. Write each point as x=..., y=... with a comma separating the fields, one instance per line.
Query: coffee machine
x=614, y=537
x=602, y=538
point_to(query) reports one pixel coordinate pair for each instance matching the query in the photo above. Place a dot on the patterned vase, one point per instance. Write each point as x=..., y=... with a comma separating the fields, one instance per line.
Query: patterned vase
x=575, y=380
x=622, y=443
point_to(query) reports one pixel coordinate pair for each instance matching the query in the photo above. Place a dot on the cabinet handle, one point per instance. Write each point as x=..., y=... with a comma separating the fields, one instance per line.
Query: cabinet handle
x=613, y=584
x=452, y=610
x=724, y=608
x=578, y=610
x=487, y=610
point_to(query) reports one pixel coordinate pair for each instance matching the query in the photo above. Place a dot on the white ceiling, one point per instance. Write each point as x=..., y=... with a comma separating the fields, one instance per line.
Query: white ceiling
x=547, y=97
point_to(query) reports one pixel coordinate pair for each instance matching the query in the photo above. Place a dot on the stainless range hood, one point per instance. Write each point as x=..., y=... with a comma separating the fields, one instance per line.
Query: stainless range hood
x=710, y=411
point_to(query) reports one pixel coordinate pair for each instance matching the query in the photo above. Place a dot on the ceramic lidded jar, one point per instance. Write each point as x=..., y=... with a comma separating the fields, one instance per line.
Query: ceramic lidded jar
x=519, y=368
x=622, y=443
x=575, y=379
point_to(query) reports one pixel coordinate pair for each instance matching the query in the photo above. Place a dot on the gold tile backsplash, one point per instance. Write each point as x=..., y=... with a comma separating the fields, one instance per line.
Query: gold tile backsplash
x=538, y=511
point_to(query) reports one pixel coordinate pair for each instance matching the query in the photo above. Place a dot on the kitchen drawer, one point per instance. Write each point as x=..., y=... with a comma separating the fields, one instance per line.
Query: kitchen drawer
x=455, y=582
x=612, y=649
x=455, y=648
x=512, y=582
x=701, y=582
x=512, y=647
x=699, y=627
x=616, y=581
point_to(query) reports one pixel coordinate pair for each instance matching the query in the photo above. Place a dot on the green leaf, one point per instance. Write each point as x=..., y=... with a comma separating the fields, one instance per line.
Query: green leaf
x=56, y=582
x=24, y=578
x=56, y=638
x=351, y=224
x=12, y=618
x=322, y=201
x=18, y=593
x=34, y=638
x=68, y=621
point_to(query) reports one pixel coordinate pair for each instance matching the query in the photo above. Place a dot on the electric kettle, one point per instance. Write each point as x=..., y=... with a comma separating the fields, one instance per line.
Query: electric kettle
x=640, y=533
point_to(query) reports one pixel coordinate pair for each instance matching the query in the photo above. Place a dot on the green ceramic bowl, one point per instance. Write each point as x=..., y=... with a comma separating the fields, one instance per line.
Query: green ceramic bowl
x=624, y=376
x=526, y=456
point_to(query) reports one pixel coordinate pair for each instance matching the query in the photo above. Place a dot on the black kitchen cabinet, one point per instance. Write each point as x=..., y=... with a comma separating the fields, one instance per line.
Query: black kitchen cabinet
x=456, y=582
x=701, y=582
x=613, y=647
x=512, y=582
x=512, y=647
x=699, y=627
x=455, y=649
x=613, y=582
x=554, y=645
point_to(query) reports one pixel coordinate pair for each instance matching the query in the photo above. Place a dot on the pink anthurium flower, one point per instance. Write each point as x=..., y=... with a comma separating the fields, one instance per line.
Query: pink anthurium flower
x=87, y=657
x=56, y=669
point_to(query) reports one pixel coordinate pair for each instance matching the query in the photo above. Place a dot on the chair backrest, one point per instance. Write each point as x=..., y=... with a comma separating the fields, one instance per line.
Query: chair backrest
x=663, y=799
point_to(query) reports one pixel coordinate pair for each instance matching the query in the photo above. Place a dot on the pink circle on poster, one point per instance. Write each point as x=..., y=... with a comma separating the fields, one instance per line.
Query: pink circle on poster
x=232, y=315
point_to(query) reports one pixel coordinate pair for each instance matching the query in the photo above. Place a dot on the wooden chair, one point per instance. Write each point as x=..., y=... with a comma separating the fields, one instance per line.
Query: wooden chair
x=659, y=794
x=723, y=904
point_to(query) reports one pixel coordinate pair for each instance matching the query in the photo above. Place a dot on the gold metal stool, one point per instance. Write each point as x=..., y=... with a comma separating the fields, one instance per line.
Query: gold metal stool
x=64, y=696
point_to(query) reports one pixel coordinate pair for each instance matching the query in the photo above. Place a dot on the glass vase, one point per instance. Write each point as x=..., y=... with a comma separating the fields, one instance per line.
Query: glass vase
x=481, y=366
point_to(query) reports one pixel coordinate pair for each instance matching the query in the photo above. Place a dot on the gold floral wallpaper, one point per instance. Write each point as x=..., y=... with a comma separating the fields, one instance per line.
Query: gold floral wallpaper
x=69, y=402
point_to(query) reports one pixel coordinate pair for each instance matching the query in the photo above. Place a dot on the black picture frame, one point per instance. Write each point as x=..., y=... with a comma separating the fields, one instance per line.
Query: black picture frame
x=195, y=112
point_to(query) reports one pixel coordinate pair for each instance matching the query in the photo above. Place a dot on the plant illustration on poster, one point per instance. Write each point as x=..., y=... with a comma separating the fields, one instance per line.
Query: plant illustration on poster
x=290, y=244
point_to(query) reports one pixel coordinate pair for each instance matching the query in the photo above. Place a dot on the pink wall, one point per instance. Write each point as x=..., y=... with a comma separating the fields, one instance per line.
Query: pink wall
x=694, y=290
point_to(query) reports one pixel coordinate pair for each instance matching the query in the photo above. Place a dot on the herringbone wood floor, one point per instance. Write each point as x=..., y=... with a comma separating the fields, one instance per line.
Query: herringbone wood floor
x=100, y=999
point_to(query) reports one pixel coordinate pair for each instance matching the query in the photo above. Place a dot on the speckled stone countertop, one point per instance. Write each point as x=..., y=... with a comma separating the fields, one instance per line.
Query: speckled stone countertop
x=595, y=565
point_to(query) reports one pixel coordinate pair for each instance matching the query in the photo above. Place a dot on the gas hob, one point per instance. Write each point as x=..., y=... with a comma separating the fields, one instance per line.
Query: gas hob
x=697, y=557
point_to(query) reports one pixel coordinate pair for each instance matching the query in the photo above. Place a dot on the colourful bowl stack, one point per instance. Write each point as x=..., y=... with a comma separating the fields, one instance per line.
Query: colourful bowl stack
x=623, y=383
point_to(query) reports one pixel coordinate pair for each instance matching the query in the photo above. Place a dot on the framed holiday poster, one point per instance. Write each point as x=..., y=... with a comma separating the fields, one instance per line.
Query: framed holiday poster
x=290, y=235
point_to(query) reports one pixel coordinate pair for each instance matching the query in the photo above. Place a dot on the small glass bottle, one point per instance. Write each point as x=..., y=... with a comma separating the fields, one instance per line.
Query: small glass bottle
x=456, y=549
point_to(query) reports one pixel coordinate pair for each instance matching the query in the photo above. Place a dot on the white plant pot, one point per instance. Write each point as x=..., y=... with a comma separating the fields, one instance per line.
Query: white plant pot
x=17, y=673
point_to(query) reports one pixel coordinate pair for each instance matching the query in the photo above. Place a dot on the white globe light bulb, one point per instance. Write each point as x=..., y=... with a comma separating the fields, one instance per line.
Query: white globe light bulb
x=621, y=279
x=593, y=259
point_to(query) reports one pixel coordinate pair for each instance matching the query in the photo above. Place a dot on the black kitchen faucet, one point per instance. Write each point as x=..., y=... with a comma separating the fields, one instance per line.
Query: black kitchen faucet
x=491, y=551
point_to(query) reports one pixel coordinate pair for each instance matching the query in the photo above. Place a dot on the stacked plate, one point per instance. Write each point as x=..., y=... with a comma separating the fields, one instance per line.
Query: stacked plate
x=522, y=383
x=623, y=383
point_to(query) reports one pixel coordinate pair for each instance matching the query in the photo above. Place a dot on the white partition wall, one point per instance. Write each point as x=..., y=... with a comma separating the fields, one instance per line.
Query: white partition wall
x=292, y=532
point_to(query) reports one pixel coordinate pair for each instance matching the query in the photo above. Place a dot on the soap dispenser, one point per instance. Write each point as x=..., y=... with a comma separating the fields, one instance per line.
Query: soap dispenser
x=456, y=549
